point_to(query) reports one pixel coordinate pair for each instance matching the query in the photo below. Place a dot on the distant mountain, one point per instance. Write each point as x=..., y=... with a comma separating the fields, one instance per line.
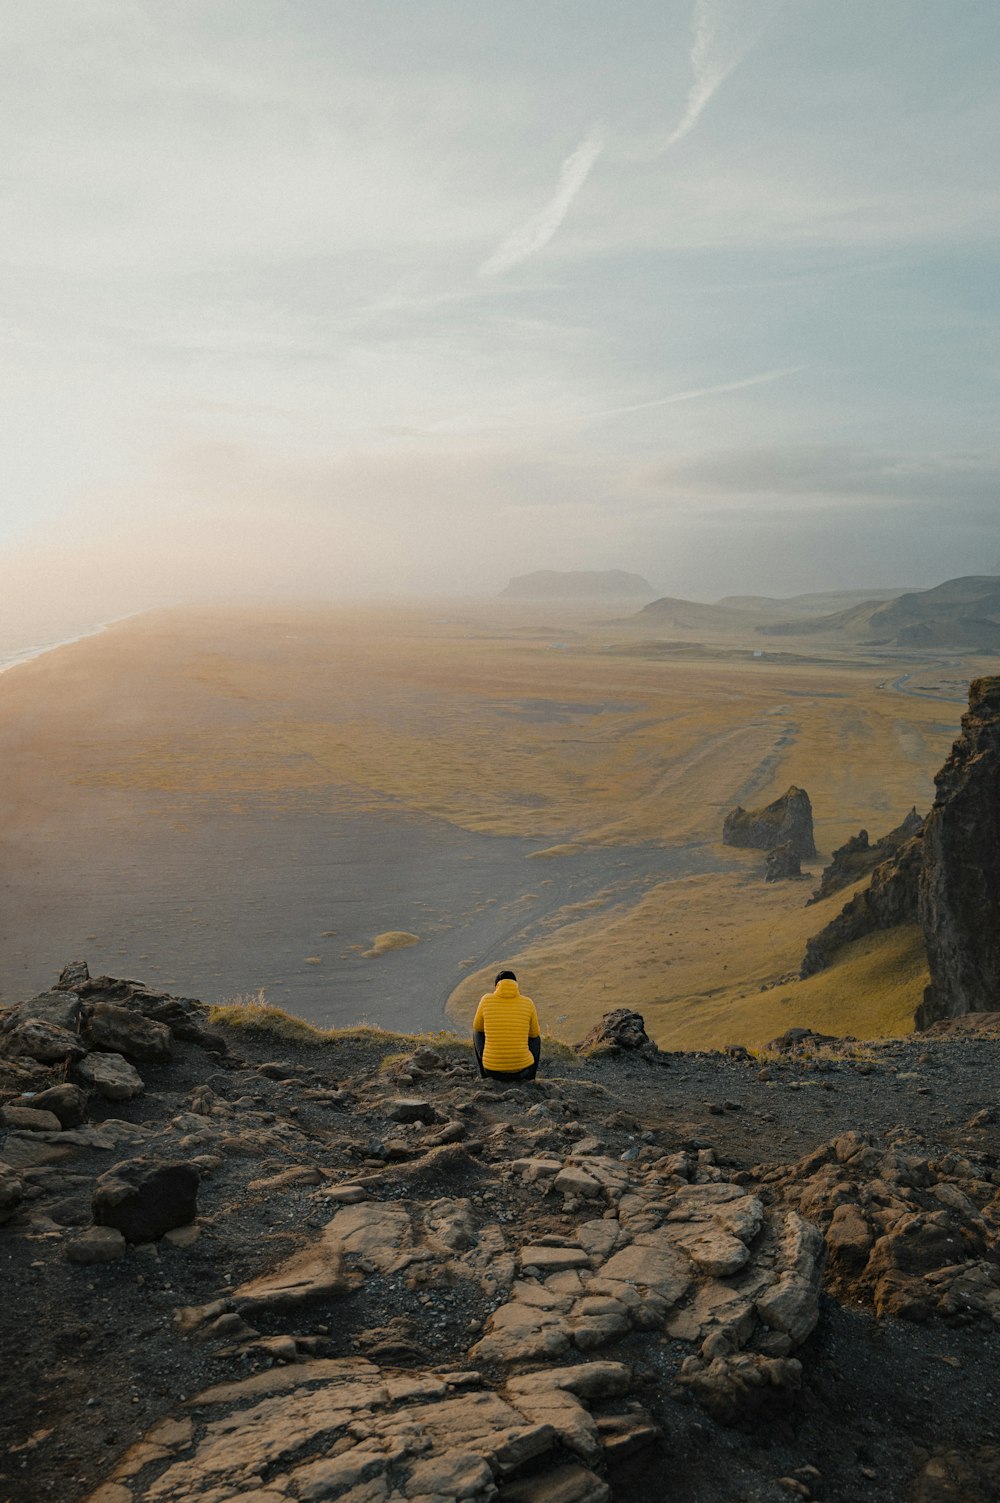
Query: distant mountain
x=578, y=584
x=693, y=615
x=795, y=607
x=962, y=613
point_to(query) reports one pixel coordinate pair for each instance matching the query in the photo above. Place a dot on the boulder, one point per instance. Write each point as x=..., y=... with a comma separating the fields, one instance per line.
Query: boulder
x=59, y=1007
x=782, y=863
x=67, y=1101
x=621, y=1029
x=410, y=1109
x=959, y=890
x=143, y=1199
x=111, y=1076
x=119, y=1030
x=98, y=1244
x=72, y=976
x=788, y=820
x=28, y=1119
x=11, y=1192
x=45, y=1042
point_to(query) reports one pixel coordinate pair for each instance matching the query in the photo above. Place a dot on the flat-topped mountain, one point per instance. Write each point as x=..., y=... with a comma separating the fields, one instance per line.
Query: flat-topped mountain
x=578, y=584
x=960, y=613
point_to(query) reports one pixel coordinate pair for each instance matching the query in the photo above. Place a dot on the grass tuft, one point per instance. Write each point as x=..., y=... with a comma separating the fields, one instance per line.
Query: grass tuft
x=251, y=1013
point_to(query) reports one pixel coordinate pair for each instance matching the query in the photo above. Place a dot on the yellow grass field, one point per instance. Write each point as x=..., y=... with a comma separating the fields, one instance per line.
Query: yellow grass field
x=493, y=722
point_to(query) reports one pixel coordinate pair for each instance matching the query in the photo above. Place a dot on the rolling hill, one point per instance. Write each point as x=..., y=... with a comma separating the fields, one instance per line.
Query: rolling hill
x=960, y=613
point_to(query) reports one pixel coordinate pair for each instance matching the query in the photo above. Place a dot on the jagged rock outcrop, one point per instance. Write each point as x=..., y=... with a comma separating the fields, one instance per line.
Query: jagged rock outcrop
x=621, y=1029
x=782, y=864
x=960, y=878
x=788, y=821
x=912, y=1236
x=889, y=899
x=856, y=857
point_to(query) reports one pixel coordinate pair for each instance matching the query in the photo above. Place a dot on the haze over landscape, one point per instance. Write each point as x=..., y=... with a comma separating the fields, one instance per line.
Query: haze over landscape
x=372, y=299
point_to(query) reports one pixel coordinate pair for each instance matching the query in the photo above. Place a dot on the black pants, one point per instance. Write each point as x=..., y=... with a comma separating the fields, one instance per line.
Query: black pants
x=513, y=1076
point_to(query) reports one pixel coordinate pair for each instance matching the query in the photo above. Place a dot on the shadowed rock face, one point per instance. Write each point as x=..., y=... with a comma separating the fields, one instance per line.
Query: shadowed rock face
x=782, y=864
x=960, y=880
x=788, y=820
x=889, y=899
x=857, y=856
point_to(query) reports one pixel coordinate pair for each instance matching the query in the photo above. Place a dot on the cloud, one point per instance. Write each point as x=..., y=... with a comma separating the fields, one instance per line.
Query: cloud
x=536, y=232
x=701, y=391
x=723, y=33
x=950, y=483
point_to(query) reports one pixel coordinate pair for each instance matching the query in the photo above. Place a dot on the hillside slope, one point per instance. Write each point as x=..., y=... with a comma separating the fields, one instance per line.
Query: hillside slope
x=960, y=613
x=393, y=1273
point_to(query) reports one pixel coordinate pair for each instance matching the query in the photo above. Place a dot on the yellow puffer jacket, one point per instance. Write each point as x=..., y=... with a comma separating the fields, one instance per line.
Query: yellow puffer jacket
x=508, y=1021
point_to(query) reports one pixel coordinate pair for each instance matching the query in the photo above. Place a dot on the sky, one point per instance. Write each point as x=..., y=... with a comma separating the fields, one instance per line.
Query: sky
x=374, y=297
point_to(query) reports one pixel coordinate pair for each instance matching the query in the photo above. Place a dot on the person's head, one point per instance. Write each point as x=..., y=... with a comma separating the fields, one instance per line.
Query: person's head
x=503, y=976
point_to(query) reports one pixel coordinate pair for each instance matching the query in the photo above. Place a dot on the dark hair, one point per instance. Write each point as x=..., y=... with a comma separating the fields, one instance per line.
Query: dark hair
x=503, y=976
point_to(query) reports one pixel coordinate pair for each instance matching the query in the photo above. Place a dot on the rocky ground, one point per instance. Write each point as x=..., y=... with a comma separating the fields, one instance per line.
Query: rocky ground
x=238, y=1267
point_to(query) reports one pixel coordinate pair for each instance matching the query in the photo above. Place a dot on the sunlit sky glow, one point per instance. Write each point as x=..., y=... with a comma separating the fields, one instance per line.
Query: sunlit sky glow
x=347, y=296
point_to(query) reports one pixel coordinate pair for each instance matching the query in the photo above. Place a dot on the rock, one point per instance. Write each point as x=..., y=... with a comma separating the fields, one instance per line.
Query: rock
x=621, y=1029
x=791, y=1305
x=111, y=1076
x=98, y=1244
x=788, y=821
x=522, y=1332
x=960, y=877
x=799, y=1038
x=553, y=1259
x=849, y=1240
x=564, y=1484
x=67, y=1102
x=295, y=1174
x=783, y=863
x=182, y=1236
x=960, y=1475
x=534, y=1170
x=890, y=899
x=376, y=1234
x=856, y=857
x=11, y=1192
x=72, y=976
x=732, y=1388
x=117, y=1030
x=348, y=1195
x=29, y=1119
x=573, y=1181
x=46, y=1042
x=409, y=1109
x=916, y=1246
x=334, y=1428
x=144, y=1199
x=56, y=1007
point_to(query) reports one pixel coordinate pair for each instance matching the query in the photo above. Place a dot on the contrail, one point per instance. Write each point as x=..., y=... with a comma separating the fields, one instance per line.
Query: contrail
x=538, y=231
x=723, y=33
x=699, y=391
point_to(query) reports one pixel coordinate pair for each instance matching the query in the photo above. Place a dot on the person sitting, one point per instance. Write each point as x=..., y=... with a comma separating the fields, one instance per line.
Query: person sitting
x=505, y=1032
